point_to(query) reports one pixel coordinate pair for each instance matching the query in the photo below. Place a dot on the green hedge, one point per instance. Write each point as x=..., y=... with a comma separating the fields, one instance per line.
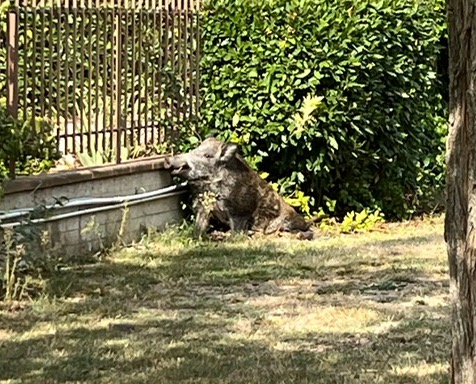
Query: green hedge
x=377, y=138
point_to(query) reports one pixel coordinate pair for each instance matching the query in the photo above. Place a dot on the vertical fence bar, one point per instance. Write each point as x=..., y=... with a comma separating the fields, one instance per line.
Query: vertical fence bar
x=191, y=58
x=34, y=92
x=75, y=72
x=104, y=77
x=139, y=101
x=12, y=72
x=152, y=28
x=58, y=74
x=82, y=66
x=96, y=79
x=26, y=42
x=41, y=94
x=191, y=52
x=66, y=70
x=146, y=73
x=133, y=74
x=112, y=29
x=160, y=75
x=186, y=80
x=197, y=62
x=125, y=68
x=165, y=65
x=90, y=72
x=50, y=62
x=118, y=83
x=179, y=64
x=173, y=72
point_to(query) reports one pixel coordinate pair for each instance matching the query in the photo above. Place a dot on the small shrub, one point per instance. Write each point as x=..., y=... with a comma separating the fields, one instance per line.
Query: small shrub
x=24, y=257
x=29, y=141
x=362, y=221
x=13, y=286
x=353, y=222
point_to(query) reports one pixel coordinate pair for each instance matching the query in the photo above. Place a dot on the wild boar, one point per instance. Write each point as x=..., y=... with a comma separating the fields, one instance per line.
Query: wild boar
x=226, y=188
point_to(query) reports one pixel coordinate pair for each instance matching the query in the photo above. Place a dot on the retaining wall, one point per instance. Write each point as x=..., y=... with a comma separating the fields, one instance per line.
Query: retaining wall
x=81, y=233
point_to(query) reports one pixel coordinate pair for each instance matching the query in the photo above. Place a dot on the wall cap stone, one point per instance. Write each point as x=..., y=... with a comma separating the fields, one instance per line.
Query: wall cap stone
x=73, y=176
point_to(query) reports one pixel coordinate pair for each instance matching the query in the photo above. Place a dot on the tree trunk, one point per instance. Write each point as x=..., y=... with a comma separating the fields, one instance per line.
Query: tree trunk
x=460, y=223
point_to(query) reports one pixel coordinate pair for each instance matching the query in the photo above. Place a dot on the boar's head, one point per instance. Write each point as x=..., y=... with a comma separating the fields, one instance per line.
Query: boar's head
x=203, y=162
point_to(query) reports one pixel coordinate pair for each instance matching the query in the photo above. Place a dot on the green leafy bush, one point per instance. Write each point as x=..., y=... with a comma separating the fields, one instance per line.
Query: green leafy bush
x=338, y=99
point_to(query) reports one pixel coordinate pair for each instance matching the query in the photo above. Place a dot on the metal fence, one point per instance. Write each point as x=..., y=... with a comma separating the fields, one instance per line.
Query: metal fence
x=110, y=75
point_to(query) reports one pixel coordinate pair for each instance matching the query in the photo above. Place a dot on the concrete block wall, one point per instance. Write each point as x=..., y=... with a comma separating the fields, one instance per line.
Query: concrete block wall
x=70, y=236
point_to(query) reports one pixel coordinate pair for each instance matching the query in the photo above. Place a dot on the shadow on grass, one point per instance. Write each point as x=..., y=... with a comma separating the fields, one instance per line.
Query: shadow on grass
x=204, y=314
x=164, y=354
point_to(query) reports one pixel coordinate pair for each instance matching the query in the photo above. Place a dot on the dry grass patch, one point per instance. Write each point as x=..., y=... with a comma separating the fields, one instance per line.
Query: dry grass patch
x=368, y=308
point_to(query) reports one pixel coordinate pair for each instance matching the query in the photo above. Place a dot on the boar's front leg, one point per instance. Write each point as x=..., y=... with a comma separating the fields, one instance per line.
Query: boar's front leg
x=202, y=220
x=202, y=217
x=239, y=223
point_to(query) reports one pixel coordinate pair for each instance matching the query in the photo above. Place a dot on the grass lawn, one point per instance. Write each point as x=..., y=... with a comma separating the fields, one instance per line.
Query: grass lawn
x=367, y=308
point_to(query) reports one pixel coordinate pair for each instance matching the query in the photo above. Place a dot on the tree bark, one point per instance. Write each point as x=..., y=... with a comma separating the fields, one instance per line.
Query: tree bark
x=460, y=223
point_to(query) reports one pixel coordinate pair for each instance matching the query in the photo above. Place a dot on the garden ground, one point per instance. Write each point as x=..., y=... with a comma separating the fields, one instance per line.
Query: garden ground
x=366, y=308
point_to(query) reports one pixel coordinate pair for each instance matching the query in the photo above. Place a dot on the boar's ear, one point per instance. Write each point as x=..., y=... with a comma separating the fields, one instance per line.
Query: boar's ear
x=228, y=151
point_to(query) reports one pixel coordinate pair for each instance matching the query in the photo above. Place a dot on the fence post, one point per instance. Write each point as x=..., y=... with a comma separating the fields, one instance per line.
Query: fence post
x=12, y=72
x=118, y=84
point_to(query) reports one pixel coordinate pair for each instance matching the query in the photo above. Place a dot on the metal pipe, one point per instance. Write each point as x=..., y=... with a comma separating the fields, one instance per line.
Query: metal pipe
x=82, y=201
x=88, y=211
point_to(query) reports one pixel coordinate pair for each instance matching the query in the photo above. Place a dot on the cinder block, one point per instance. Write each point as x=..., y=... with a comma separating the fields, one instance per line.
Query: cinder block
x=91, y=227
x=159, y=221
x=70, y=237
x=70, y=224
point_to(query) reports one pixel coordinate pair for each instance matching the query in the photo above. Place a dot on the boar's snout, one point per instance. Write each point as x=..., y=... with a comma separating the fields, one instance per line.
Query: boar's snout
x=168, y=163
x=177, y=165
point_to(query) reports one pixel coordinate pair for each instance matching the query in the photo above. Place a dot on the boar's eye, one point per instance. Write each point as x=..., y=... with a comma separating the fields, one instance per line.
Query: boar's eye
x=208, y=155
